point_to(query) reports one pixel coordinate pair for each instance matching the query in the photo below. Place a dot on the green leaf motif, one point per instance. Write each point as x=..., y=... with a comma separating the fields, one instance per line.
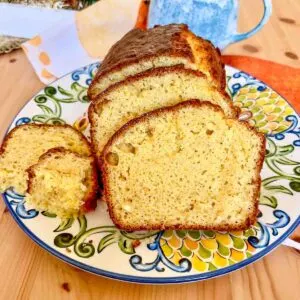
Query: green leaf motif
x=126, y=246
x=286, y=161
x=181, y=233
x=48, y=214
x=185, y=251
x=295, y=186
x=209, y=233
x=279, y=189
x=47, y=110
x=203, y=252
x=269, y=201
x=249, y=232
x=168, y=233
x=64, y=240
x=194, y=234
x=40, y=118
x=64, y=225
x=211, y=267
x=64, y=92
x=231, y=262
x=238, y=243
x=276, y=158
x=223, y=251
x=285, y=150
x=54, y=97
x=106, y=241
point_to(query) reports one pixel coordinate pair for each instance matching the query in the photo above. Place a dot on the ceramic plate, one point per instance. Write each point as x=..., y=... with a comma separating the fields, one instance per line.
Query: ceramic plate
x=94, y=244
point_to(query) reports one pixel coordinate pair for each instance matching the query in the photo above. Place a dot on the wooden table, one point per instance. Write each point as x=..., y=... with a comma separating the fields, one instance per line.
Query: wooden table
x=28, y=272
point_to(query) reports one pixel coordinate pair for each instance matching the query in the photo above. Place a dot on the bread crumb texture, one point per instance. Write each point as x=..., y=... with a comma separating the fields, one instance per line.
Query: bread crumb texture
x=112, y=77
x=24, y=145
x=187, y=167
x=136, y=96
x=59, y=183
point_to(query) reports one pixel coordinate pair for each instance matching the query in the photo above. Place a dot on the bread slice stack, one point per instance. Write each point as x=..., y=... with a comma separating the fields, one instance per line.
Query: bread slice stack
x=148, y=91
x=25, y=167
x=162, y=46
x=183, y=167
x=169, y=162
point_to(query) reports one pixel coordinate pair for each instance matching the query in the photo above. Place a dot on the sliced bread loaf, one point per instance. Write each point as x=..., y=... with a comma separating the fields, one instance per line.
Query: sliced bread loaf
x=23, y=146
x=63, y=183
x=140, y=50
x=145, y=92
x=183, y=167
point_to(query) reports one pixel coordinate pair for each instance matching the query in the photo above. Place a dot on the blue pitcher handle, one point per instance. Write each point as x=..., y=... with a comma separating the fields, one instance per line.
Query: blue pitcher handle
x=267, y=13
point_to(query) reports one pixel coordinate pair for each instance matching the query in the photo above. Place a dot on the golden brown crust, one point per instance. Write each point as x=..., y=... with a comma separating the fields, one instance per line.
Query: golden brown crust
x=101, y=100
x=90, y=199
x=10, y=134
x=140, y=45
x=210, y=58
x=194, y=103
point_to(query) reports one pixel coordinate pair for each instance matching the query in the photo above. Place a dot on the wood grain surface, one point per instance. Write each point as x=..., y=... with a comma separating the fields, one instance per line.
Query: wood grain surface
x=28, y=272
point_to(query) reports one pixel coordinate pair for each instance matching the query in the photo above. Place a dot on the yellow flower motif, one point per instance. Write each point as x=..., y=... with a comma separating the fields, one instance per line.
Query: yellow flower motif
x=176, y=258
x=210, y=244
x=167, y=250
x=237, y=255
x=175, y=242
x=224, y=239
x=190, y=244
x=220, y=261
x=198, y=264
x=207, y=250
x=269, y=110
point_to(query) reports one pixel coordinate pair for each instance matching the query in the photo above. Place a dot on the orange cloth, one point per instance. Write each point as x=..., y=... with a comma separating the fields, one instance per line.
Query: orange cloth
x=283, y=79
x=141, y=21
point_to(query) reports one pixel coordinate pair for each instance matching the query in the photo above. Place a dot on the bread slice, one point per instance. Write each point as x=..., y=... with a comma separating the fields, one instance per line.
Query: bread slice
x=146, y=92
x=140, y=50
x=183, y=167
x=63, y=183
x=23, y=146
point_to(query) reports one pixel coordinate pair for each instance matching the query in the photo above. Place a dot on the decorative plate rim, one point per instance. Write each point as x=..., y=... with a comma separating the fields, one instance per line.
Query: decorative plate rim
x=147, y=279
x=153, y=280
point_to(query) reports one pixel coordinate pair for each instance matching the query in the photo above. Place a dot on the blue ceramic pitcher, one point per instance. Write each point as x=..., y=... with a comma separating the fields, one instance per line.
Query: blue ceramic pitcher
x=215, y=20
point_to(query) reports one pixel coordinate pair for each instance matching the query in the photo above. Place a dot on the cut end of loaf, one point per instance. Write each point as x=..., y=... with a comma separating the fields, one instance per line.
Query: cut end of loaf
x=183, y=167
x=63, y=183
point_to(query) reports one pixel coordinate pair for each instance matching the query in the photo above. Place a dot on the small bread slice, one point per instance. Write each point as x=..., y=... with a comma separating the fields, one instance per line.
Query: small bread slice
x=63, y=183
x=23, y=146
x=162, y=46
x=148, y=91
x=183, y=167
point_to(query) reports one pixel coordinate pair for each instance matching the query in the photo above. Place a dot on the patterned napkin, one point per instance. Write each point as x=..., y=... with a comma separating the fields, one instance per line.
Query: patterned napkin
x=10, y=43
x=82, y=39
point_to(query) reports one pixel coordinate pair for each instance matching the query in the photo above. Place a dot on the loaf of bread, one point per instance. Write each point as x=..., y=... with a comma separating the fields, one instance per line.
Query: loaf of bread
x=183, y=167
x=145, y=92
x=63, y=182
x=23, y=146
x=140, y=50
